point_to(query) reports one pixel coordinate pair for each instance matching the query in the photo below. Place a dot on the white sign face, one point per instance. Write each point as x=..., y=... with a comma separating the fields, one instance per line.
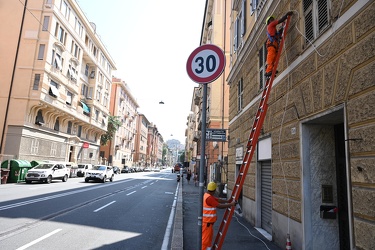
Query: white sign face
x=205, y=64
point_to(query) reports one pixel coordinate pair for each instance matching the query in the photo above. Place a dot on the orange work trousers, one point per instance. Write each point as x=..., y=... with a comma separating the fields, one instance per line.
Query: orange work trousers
x=207, y=235
x=271, y=55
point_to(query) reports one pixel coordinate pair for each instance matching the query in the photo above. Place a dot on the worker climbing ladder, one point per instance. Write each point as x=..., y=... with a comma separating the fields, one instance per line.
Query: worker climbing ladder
x=253, y=139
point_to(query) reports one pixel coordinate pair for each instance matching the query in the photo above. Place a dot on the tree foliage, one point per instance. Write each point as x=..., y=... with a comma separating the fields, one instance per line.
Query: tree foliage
x=113, y=125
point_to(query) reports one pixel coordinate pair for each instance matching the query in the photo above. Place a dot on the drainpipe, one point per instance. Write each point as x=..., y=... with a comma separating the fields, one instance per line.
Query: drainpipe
x=11, y=82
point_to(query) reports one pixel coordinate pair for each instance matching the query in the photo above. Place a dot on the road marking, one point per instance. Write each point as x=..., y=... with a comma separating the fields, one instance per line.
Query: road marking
x=40, y=239
x=169, y=192
x=131, y=193
x=143, y=187
x=168, y=230
x=104, y=206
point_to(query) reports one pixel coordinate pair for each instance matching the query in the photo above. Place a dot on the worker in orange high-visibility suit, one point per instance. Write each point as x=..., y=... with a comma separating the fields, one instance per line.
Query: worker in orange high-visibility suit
x=210, y=203
x=273, y=39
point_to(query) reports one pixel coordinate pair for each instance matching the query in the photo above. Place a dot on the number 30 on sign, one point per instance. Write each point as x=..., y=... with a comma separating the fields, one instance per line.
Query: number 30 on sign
x=205, y=64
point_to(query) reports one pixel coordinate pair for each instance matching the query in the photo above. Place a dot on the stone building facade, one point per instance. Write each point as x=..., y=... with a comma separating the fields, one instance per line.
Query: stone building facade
x=316, y=151
x=56, y=77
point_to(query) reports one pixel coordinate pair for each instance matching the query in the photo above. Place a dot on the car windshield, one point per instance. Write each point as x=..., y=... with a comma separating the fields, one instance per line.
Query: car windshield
x=81, y=166
x=99, y=167
x=44, y=166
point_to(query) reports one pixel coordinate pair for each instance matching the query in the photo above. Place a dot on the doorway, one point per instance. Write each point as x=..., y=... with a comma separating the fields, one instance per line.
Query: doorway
x=325, y=182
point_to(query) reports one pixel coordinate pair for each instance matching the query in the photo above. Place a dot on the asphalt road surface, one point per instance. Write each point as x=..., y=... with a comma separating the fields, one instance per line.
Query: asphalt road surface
x=132, y=212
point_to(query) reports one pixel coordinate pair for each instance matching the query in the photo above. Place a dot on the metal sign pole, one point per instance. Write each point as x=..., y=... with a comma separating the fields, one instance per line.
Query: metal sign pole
x=202, y=165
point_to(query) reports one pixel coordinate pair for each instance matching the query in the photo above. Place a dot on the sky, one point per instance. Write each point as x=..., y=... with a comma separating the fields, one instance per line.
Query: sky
x=150, y=42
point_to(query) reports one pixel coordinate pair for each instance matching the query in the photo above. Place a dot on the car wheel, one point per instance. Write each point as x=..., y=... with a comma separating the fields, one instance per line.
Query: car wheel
x=86, y=180
x=49, y=179
x=104, y=179
x=111, y=178
x=28, y=182
x=65, y=178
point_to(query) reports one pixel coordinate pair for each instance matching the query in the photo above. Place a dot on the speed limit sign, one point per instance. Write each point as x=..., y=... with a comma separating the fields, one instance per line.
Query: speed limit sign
x=205, y=64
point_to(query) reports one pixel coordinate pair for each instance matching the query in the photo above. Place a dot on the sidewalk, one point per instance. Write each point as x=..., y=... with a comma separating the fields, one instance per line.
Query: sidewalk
x=240, y=235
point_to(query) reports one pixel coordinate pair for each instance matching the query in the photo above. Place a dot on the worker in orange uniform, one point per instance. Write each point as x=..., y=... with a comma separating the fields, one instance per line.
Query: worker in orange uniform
x=273, y=40
x=210, y=203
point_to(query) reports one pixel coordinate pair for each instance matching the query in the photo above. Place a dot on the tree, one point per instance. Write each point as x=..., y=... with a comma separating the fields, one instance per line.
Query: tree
x=113, y=125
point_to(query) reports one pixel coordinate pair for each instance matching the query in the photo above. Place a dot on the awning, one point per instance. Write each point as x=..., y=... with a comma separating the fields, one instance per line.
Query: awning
x=86, y=109
x=54, y=91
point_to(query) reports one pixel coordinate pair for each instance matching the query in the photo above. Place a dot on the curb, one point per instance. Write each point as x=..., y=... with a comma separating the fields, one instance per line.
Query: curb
x=178, y=224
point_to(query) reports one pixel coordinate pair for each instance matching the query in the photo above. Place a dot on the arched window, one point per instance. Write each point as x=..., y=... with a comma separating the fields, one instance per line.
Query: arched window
x=39, y=118
x=57, y=125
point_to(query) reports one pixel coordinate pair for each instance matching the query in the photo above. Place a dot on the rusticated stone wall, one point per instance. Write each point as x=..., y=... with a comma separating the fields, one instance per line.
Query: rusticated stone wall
x=343, y=73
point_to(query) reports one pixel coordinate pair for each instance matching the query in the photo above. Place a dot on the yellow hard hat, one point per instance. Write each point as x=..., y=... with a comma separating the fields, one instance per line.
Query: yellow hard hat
x=268, y=18
x=211, y=186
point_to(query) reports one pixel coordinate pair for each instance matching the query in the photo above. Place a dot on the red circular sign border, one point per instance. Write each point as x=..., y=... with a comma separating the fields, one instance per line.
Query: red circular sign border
x=219, y=70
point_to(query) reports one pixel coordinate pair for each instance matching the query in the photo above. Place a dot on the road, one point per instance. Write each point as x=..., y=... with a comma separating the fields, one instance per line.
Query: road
x=135, y=211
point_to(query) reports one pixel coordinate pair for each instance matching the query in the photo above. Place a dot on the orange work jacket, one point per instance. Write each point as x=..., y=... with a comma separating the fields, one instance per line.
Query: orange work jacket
x=209, y=212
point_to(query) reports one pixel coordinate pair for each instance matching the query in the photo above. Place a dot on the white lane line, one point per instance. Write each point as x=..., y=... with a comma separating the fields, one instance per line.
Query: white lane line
x=131, y=193
x=38, y=240
x=168, y=230
x=143, y=187
x=104, y=206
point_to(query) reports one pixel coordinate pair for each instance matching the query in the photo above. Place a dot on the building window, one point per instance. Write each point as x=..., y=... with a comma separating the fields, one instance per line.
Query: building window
x=56, y=60
x=69, y=98
x=96, y=115
x=243, y=18
x=79, y=133
x=240, y=95
x=87, y=70
x=262, y=65
x=72, y=73
x=316, y=13
x=69, y=129
x=57, y=125
x=53, y=89
x=39, y=120
x=34, y=146
x=84, y=89
x=41, y=51
x=36, y=82
x=53, y=149
x=45, y=23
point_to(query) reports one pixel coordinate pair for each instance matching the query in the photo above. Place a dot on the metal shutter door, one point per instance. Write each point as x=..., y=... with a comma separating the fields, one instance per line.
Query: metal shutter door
x=266, y=196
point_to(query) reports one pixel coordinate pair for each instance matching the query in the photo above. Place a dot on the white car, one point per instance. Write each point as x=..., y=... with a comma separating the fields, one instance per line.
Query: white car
x=46, y=172
x=100, y=173
x=82, y=169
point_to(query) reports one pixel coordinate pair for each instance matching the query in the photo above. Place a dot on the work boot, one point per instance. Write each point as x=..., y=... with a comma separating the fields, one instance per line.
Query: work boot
x=268, y=74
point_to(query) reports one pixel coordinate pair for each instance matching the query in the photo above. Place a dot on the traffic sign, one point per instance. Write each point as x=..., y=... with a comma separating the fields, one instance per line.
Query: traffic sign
x=205, y=64
x=216, y=134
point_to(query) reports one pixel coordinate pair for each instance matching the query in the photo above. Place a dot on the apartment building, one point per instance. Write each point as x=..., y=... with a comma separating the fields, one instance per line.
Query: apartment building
x=215, y=24
x=123, y=107
x=312, y=176
x=56, y=78
x=141, y=140
x=154, y=146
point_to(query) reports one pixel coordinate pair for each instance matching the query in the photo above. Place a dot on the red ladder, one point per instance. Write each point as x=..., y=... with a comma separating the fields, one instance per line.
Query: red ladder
x=251, y=144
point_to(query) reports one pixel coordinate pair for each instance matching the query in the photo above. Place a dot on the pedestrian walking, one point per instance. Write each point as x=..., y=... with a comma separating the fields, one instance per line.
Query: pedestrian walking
x=188, y=176
x=210, y=203
x=196, y=180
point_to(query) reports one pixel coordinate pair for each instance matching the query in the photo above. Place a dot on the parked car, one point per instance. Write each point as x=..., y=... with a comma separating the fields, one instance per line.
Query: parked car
x=82, y=169
x=125, y=170
x=73, y=169
x=116, y=170
x=46, y=172
x=100, y=173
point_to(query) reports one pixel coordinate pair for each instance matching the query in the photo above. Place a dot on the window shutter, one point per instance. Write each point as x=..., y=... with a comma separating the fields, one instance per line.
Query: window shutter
x=243, y=19
x=235, y=38
x=322, y=15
